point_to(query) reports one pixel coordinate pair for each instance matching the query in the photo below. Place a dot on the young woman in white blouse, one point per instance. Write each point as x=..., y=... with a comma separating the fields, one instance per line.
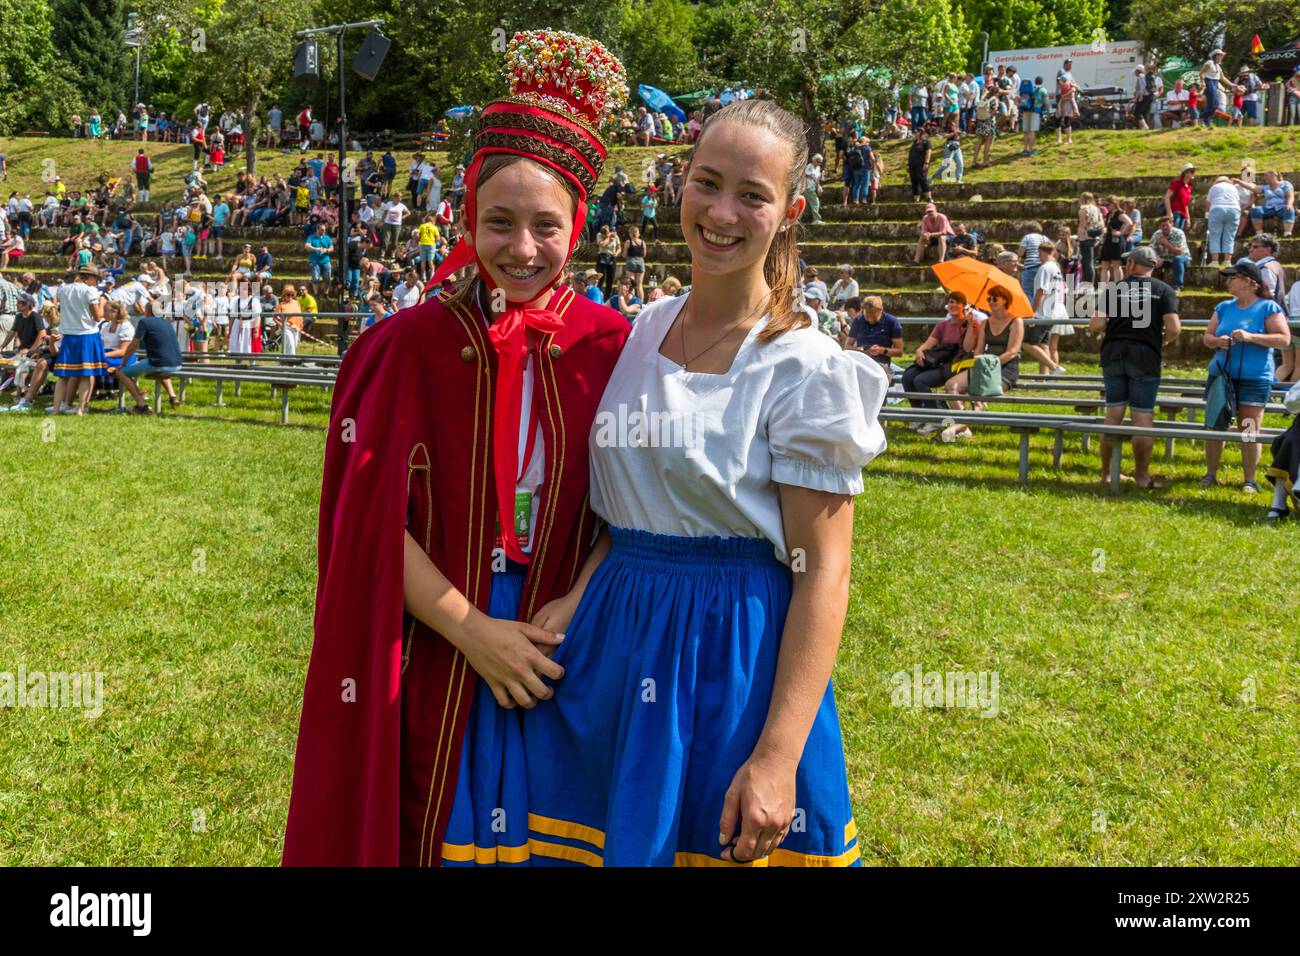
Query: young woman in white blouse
x=696, y=723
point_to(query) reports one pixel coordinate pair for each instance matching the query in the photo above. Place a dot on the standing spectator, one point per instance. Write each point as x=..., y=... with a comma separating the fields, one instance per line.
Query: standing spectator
x=320, y=247
x=1222, y=219
x=1028, y=254
x=1250, y=84
x=634, y=253
x=1143, y=96
x=952, y=157
x=143, y=167
x=1212, y=77
x=304, y=128
x=1067, y=103
x=1132, y=351
x=288, y=315
x=81, y=352
x=812, y=187
x=1278, y=202
x=1244, y=331
x=1051, y=318
x=918, y=100
x=1178, y=197
x=394, y=211
x=970, y=91
x=1292, y=105
x=607, y=250
x=649, y=210
x=951, y=103
x=986, y=125
x=918, y=166
x=1118, y=226
x=1031, y=117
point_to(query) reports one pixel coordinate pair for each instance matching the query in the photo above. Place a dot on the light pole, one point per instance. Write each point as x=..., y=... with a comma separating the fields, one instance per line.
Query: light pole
x=341, y=235
x=134, y=36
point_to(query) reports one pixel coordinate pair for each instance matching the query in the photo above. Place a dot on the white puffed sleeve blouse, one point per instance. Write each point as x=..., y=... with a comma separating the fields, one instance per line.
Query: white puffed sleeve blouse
x=698, y=455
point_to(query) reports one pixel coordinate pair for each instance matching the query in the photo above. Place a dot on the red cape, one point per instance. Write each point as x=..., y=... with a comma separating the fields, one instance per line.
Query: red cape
x=409, y=446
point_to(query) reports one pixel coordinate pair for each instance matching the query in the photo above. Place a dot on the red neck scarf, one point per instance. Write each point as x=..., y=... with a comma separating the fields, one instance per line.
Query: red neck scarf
x=514, y=333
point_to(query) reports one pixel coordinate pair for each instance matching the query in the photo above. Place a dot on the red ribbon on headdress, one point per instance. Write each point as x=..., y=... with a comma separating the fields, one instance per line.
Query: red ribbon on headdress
x=513, y=332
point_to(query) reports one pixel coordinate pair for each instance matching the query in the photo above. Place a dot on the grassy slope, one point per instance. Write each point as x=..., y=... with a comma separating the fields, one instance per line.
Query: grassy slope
x=1094, y=153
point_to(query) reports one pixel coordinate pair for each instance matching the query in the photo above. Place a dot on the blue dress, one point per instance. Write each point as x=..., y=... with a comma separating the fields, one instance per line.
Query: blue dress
x=669, y=666
x=488, y=825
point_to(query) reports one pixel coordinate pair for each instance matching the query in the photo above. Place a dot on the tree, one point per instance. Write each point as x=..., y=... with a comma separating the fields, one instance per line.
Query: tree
x=240, y=48
x=805, y=51
x=36, y=87
x=656, y=44
x=88, y=35
x=1017, y=24
x=1192, y=28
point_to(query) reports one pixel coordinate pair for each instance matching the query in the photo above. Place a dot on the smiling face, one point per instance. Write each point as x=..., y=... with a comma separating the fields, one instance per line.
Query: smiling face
x=523, y=228
x=736, y=197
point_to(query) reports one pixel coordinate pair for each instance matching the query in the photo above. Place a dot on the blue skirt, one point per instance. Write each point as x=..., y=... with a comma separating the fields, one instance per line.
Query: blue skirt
x=80, y=356
x=669, y=666
x=488, y=825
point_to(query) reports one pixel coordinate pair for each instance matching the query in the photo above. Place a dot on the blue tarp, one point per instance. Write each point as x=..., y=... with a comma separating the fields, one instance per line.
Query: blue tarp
x=660, y=102
x=459, y=112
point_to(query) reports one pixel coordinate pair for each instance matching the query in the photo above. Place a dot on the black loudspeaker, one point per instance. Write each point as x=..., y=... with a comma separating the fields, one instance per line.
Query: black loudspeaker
x=306, y=59
x=370, y=56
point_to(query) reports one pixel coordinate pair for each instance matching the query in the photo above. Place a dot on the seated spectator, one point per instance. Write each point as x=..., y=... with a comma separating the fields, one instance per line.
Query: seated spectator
x=845, y=288
x=963, y=242
x=1001, y=335
x=35, y=356
x=1170, y=244
x=625, y=300
x=1262, y=250
x=1277, y=201
x=815, y=306
x=932, y=365
x=873, y=330
x=591, y=287
x=162, y=359
x=813, y=278
x=934, y=230
x=1285, y=470
x=1175, y=112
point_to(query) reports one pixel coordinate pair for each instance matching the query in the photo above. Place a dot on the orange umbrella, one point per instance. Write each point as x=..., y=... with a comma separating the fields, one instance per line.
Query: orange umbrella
x=974, y=278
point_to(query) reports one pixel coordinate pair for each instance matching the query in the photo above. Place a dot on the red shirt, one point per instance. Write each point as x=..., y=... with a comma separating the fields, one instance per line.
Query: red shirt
x=330, y=175
x=1180, y=196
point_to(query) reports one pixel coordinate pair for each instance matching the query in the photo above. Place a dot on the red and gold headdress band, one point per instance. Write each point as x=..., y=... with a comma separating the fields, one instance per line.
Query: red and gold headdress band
x=562, y=88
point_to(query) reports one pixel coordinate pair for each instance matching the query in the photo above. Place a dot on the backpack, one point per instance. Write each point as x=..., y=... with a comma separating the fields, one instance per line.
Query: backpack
x=984, y=108
x=985, y=377
x=1026, y=95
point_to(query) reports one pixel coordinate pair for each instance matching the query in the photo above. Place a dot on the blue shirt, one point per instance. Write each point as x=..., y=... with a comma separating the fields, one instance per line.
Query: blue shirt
x=1275, y=196
x=1246, y=362
x=263, y=261
x=323, y=243
x=317, y=166
x=219, y=213
x=159, y=341
x=865, y=335
x=595, y=295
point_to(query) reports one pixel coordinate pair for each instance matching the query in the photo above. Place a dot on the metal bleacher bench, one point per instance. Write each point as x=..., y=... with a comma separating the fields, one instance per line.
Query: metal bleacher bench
x=280, y=372
x=1026, y=423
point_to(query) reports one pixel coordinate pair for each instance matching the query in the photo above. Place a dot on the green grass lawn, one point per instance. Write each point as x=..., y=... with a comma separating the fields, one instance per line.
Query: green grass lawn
x=176, y=556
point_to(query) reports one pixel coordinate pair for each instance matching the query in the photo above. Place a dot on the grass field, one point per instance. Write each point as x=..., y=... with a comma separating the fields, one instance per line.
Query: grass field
x=1095, y=152
x=1145, y=646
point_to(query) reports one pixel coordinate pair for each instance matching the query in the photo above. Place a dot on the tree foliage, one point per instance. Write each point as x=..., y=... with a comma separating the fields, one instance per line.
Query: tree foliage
x=1192, y=28
x=1020, y=24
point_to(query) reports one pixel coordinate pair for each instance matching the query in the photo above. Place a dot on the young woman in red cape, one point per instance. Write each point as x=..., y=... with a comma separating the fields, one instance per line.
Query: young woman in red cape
x=455, y=504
